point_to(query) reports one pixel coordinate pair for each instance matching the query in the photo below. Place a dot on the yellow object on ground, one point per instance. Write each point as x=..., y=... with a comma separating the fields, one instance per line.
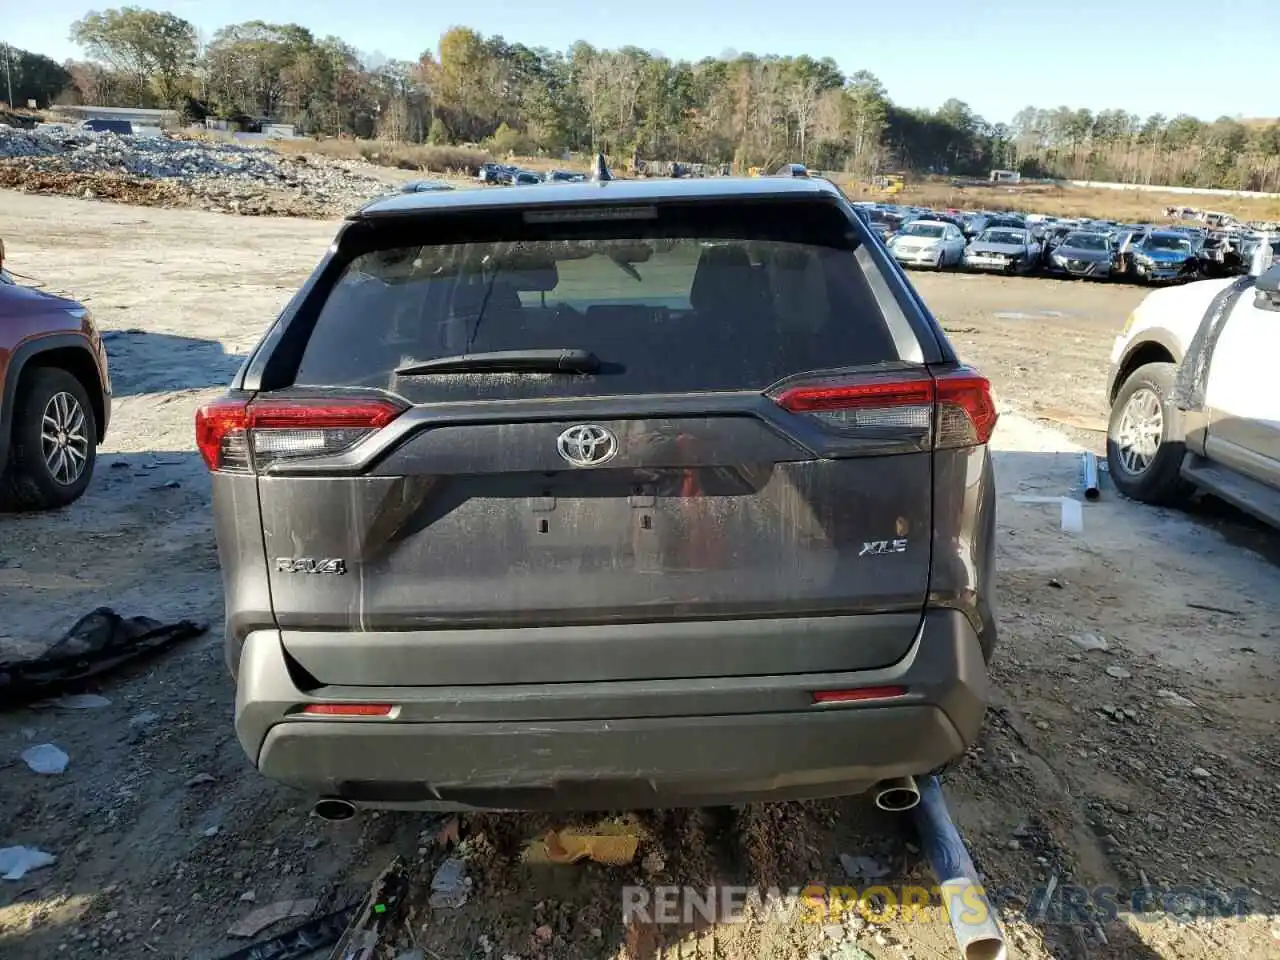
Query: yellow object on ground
x=891, y=183
x=614, y=844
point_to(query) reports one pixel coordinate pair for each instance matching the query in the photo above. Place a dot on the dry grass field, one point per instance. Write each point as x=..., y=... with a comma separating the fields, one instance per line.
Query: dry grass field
x=1124, y=205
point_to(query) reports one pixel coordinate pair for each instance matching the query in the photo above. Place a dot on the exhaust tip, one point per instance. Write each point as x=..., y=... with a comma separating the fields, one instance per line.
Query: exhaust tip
x=334, y=810
x=897, y=796
x=985, y=948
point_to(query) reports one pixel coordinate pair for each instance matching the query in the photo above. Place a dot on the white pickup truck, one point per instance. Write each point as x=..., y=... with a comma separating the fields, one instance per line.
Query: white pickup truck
x=1193, y=403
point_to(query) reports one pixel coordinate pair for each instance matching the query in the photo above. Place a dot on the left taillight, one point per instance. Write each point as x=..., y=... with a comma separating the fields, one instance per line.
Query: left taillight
x=238, y=437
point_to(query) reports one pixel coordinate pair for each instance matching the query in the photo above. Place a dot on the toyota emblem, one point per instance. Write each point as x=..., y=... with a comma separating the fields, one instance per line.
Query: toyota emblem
x=587, y=445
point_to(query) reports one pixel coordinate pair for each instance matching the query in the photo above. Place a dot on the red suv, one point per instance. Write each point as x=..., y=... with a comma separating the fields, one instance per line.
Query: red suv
x=55, y=398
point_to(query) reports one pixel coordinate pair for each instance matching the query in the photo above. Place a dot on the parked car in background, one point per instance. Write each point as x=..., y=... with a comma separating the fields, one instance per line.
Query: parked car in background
x=973, y=224
x=1133, y=234
x=1054, y=236
x=1040, y=225
x=933, y=216
x=884, y=224
x=565, y=176
x=99, y=125
x=525, y=178
x=1193, y=407
x=1219, y=256
x=1009, y=220
x=928, y=243
x=1084, y=255
x=424, y=186
x=1163, y=255
x=1249, y=248
x=470, y=509
x=55, y=398
x=1005, y=249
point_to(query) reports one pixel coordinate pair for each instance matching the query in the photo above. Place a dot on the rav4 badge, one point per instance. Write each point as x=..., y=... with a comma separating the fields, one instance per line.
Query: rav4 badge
x=330, y=565
x=878, y=548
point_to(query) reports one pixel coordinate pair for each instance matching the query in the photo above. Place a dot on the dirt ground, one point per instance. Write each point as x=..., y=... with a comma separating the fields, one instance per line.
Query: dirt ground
x=1150, y=763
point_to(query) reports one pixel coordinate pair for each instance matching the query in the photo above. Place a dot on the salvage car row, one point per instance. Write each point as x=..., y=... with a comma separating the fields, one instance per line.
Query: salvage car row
x=1089, y=249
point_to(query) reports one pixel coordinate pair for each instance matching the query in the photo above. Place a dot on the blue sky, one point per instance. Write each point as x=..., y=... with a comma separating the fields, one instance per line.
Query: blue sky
x=997, y=55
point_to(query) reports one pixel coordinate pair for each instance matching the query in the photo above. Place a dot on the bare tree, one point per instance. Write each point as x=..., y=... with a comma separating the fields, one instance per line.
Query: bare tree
x=802, y=98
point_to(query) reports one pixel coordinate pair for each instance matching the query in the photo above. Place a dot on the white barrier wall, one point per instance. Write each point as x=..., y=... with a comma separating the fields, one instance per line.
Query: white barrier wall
x=1155, y=188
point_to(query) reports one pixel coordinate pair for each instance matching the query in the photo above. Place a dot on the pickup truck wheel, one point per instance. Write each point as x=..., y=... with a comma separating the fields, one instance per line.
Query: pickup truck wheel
x=54, y=443
x=1144, y=448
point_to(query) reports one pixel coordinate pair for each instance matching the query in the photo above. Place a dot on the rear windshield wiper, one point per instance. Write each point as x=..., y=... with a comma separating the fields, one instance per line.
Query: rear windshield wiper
x=507, y=361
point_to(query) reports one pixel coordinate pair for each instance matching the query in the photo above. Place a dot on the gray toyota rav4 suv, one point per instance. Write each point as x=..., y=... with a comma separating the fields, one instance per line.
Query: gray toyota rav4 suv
x=604, y=495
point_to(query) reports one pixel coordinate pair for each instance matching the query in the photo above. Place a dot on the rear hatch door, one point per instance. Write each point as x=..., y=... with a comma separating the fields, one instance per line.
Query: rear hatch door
x=694, y=443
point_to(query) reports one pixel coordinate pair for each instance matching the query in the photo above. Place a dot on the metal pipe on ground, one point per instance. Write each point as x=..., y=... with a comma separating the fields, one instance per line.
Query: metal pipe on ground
x=973, y=919
x=1090, y=468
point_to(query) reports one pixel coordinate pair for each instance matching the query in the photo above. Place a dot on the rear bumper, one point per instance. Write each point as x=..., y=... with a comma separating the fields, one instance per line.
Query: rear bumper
x=630, y=744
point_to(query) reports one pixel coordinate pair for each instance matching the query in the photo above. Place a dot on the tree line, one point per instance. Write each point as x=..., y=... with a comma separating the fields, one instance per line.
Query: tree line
x=747, y=110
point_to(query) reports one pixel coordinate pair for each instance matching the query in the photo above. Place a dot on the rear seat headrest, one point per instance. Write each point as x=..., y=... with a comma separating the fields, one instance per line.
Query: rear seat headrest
x=724, y=255
x=532, y=271
x=724, y=273
x=798, y=286
x=529, y=280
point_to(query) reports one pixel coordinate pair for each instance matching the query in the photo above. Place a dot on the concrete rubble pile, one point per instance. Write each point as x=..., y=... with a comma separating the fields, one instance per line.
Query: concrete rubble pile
x=227, y=177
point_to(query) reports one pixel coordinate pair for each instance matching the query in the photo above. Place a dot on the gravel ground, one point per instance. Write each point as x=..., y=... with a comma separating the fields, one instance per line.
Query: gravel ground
x=182, y=172
x=1148, y=762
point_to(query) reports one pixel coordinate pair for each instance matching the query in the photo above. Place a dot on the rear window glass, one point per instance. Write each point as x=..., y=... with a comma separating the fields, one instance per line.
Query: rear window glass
x=661, y=314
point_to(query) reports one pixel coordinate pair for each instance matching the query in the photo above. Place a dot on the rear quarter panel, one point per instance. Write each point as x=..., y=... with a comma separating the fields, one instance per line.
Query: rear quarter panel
x=964, y=537
x=242, y=560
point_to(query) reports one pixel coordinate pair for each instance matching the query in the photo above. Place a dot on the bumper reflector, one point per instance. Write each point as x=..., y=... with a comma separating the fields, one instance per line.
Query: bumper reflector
x=861, y=693
x=348, y=709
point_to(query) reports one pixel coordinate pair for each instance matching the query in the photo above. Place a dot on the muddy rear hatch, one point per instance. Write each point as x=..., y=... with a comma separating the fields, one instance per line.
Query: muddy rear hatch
x=674, y=442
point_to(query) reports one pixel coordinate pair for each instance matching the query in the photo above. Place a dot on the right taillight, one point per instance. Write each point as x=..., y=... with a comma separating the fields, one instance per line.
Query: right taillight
x=238, y=437
x=954, y=409
x=966, y=410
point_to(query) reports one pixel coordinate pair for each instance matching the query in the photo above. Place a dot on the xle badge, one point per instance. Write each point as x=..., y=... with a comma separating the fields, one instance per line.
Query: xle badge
x=878, y=548
x=335, y=566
